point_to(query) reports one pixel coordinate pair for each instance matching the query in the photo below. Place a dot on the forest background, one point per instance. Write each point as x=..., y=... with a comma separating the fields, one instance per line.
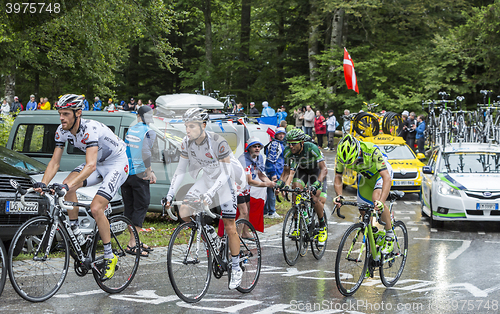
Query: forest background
x=288, y=52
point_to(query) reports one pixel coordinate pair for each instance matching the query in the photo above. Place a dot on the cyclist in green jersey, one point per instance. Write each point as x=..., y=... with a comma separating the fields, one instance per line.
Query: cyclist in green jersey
x=305, y=162
x=374, y=178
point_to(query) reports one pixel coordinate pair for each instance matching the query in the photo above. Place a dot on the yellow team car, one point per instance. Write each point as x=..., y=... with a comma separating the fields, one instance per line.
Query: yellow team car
x=406, y=165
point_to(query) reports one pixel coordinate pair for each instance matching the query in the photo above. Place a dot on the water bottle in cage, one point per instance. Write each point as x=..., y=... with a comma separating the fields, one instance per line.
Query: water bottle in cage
x=213, y=235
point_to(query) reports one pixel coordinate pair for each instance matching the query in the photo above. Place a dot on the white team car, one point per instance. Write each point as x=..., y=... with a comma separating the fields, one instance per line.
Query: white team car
x=460, y=182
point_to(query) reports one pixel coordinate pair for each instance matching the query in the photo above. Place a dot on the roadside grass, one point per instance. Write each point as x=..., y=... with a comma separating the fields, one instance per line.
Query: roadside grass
x=158, y=229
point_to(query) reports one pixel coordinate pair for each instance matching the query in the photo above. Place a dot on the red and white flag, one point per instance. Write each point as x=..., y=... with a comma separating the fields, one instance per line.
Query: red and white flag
x=349, y=74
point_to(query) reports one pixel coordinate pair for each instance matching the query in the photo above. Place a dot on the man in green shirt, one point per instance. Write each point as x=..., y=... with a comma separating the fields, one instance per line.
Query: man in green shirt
x=374, y=178
x=305, y=162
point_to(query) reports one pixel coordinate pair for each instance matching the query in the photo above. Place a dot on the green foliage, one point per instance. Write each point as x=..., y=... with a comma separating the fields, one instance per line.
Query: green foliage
x=6, y=123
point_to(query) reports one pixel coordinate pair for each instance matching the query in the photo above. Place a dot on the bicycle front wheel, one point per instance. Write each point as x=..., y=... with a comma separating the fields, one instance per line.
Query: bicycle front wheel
x=250, y=256
x=318, y=250
x=120, y=228
x=351, y=262
x=34, y=275
x=394, y=262
x=3, y=266
x=189, y=263
x=290, y=238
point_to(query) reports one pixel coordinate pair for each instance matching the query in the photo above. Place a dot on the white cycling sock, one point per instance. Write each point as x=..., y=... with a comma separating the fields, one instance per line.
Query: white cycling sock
x=235, y=262
x=108, y=251
x=389, y=234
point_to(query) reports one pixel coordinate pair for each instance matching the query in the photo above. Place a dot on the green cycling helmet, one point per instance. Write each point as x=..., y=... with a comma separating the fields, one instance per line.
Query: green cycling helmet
x=348, y=150
x=295, y=135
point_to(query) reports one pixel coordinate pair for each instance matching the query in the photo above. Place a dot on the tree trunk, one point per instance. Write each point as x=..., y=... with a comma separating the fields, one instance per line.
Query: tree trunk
x=36, y=88
x=313, y=41
x=242, y=80
x=280, y=73
x=207, y=12
x=338, y=38
x=10, y=85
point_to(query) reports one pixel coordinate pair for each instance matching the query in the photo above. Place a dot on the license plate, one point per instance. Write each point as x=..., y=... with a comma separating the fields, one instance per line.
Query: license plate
x=481, y=206
x=118, y=226
x=402, y=183
x=18, y=207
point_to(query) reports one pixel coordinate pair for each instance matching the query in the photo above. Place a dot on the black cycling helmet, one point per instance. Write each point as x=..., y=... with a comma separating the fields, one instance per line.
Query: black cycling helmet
x=195, y=115
x=70, y=101
x=146, y=114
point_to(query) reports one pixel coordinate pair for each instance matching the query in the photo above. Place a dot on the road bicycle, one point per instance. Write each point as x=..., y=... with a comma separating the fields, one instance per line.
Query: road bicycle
x=359, y=251
x=38, y=258
x=301, y=228
x=3, y=266
x=195, y=252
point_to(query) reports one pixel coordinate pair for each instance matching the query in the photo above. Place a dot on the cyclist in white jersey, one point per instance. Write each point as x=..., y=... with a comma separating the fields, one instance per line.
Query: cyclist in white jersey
x=105, y=161
x=222, y=175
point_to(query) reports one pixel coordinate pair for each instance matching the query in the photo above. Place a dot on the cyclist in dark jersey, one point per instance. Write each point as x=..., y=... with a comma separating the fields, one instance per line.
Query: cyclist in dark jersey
x=305, y=162
x=374, y=178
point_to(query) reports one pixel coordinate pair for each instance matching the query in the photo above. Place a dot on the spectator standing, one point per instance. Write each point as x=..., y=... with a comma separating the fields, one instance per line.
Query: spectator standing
x=410, y=128
x=308, y=121
x=346, y=126
x=5, y=107
x=282, y=114
x=86, y=106
x=97, y=104
x=298, y=114
x=151, y=104
x=39, y=106
x=16, y=106
x=319, y=127
x=31, y=105
x=331, y=126
x=46, y=104
x=111, y=106
x=135, y=191
x=253, y=110
x=253, y=162
x=275, y=162
x=267, y=111
x=420, y=129
x=405, y=115
x=238, y=109
x=139, y=105
x=130, y=106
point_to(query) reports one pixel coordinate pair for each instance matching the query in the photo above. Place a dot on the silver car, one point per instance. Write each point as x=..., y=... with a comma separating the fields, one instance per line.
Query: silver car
x=460, y=182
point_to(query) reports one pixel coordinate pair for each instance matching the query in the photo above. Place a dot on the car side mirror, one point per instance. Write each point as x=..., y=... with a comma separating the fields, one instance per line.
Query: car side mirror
x=427, y=170
x=420, y=156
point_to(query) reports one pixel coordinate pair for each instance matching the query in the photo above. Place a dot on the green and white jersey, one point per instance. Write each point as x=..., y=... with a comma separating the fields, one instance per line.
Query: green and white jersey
x=369, y=164
x=308, y=158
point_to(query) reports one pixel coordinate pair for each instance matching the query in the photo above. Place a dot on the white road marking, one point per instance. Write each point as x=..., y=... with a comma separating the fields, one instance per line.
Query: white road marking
x=457, y=252
x=481, y=232
x=413, y=229
x=412, y=202
x=408, y=212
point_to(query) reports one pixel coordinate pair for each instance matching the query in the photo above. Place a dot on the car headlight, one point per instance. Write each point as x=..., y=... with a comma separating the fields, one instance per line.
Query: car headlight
x=445, y=189
x=83, y=198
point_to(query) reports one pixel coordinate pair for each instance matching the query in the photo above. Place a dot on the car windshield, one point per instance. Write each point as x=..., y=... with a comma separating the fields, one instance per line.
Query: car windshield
x=24, y=163
x=397, y=151
x=470, y=162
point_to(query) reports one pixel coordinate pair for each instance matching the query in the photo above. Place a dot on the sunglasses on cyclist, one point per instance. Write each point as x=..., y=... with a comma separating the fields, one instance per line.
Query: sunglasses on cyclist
x=292, y=143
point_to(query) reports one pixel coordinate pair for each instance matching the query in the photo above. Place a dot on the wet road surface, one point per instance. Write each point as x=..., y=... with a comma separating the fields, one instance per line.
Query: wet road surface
x=453, y=269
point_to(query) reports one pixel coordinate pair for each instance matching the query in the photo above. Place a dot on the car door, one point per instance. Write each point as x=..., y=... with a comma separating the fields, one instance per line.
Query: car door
x=428, y=179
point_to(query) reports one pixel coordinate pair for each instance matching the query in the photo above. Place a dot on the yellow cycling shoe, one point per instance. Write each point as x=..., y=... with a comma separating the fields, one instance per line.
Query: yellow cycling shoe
x=295, y=234
x=109, y=267
x=322, y=236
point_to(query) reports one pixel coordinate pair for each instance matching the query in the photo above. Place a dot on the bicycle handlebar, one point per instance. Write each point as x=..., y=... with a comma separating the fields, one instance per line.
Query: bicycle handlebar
x=204, y=207
x=59, y=192
x=361, y=206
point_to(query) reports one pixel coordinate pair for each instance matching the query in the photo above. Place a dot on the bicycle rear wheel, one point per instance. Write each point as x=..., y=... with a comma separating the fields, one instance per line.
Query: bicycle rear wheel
x=351, y=262
x=126, y=267
x=250, y=257
x=318, y=250
x=3, y=266
x=34, y=276
x=189, y=263
x=394, y=262
x=290, y=238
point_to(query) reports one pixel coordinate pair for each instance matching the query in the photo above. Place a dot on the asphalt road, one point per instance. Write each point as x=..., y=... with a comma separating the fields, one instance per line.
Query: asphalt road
x=453, y=269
